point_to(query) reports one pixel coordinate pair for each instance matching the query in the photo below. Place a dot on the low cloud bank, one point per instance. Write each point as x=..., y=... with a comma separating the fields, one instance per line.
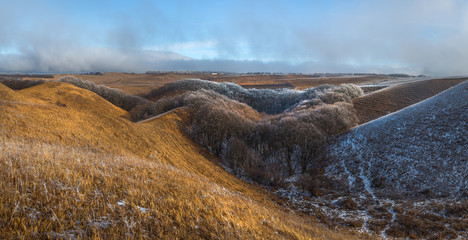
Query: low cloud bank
x=139, y=61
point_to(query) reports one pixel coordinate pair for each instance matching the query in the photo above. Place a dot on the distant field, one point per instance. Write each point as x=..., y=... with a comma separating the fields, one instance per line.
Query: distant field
x=369, y=107
x=141, y=84
x=391, y=99
x=268, y=86
x=31, y=76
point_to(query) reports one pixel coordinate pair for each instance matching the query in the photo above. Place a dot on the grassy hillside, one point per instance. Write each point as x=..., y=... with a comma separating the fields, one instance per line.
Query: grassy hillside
x=391, y=99
x=412, y=164
x=420, y=147
x=74, y=166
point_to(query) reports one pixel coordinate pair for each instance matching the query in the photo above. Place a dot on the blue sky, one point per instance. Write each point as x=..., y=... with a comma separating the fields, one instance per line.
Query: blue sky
x=416, y=37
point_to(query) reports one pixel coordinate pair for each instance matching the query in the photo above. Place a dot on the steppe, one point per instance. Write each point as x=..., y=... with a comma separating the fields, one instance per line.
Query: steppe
x=74, y=165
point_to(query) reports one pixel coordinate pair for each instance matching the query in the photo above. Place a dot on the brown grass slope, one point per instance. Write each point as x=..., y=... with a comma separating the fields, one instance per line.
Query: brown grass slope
x=6, y=93
x=392, y=99
x=73, y=166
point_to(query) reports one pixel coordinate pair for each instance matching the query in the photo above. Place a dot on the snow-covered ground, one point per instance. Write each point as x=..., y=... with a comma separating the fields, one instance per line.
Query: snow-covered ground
x=393, y=81
x=402, y=175
x=419, y=151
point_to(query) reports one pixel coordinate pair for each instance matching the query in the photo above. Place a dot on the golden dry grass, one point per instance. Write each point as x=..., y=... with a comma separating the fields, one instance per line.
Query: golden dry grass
x=73, y=166
x=52, y=190
x=10, y=95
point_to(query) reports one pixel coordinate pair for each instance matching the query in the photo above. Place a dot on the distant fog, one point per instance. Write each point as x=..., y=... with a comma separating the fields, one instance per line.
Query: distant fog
x=414, y=37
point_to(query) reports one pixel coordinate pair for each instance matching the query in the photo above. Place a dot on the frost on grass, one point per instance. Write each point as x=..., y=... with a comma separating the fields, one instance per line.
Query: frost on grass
x=420, y=151
x=404, y=175
x=416, y=155
x=64, y=192
x=263, y=100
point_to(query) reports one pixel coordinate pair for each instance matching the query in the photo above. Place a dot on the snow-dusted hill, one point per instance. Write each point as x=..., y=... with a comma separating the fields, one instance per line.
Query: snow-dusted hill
x=418, y=152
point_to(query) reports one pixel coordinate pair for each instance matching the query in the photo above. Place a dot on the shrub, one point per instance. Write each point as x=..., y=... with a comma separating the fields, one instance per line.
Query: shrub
x=310, y=184
x=325, y=94
x=141, y=112
x=332, y=119
x=149, y=109
x=350, y=90
x=216, y=119
x=331, y=97
x=261, y=99
x=17, y=83
x=268, y=149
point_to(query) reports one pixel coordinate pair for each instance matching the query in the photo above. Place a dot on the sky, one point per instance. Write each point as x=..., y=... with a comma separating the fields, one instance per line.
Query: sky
x=308, y=36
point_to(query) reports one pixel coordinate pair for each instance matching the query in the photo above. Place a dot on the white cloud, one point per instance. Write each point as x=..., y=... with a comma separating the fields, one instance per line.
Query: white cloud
x=205, y=49
x=364, y=36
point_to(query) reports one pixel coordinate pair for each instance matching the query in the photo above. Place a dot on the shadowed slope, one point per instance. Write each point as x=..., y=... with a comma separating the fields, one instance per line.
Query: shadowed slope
x=420, y=151
x=74, y=166
x=409, y=170
x=391, y=99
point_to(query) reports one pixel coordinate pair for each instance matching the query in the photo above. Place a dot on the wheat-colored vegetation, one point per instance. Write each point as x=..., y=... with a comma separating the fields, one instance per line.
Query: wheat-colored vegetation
x=73, y=166
x=115, y=96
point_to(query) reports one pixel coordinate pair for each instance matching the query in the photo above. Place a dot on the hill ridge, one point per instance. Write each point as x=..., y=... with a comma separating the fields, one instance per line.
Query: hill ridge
x=76, y=171
x=421, y=137
x=396, y=97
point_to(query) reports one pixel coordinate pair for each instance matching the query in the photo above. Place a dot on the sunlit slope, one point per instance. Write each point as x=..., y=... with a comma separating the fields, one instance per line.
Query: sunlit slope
x=63, y=113
x=391, y=99
x=67, y=95
x=73, y=165
x=420, y=151
x=7, y=94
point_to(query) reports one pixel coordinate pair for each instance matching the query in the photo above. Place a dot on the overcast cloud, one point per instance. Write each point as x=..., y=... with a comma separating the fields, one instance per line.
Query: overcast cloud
x=416, y=37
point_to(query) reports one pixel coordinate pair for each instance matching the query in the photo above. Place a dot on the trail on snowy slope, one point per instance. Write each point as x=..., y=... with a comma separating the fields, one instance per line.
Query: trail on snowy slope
x=419, y=151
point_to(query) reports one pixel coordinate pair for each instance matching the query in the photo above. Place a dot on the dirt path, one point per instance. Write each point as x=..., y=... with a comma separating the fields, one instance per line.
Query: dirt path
x=160, y=115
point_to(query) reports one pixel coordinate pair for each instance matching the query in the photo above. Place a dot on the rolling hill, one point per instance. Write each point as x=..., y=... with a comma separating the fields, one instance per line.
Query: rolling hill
x=74, y=166
x=142, y=84
x=412, y=165
x=421, y=149
x=396, y=97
